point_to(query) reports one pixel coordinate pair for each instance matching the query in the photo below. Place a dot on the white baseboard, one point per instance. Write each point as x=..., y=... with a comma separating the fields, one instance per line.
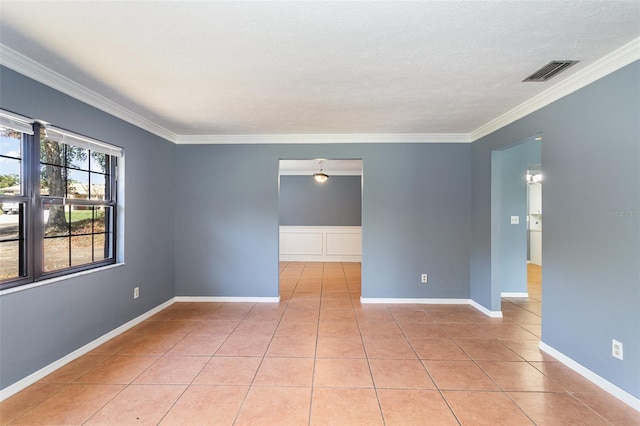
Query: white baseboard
x=326, y=258
x=227, y=299
x=487, y=312
x=513, y=294
x=434, y=301
x=406, y=300
x=614, y=390
x=44, y=371
x=34, y=377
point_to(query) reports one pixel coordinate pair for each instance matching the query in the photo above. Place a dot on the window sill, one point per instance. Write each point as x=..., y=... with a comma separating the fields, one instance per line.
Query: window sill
x=56, y=279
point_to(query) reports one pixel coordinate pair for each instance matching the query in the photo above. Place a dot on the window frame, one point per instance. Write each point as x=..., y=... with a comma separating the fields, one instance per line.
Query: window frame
x=25, y=214
x=31, y=253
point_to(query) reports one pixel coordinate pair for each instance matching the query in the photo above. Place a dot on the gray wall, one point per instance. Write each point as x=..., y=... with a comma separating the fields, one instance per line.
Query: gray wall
x=426, y=208
x=509, y=198
x=304, y=202
x=591, y=273
x=41, y=325
x=415, y=218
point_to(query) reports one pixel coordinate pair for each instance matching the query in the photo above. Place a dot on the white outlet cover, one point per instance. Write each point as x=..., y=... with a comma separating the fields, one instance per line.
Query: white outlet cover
x=515, y=220
x=617, y=349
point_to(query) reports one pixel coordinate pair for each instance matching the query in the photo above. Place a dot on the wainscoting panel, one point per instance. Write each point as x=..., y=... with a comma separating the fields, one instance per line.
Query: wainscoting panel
x=302, y=243
x=321, y=243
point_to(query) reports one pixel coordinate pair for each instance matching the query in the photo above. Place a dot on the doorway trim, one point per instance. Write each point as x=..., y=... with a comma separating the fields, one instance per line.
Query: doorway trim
x=497, y=221
x=336, y=234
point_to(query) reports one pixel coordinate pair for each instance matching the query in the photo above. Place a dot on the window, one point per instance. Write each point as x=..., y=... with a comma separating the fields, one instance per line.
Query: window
x=58, y=192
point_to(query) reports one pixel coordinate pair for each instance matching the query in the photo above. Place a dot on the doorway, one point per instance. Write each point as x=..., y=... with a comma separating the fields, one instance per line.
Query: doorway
x=534, y=233
x=516, y=229
x=320, y=221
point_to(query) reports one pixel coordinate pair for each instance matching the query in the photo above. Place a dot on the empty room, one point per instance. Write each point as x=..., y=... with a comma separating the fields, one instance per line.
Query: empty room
x=320, y=213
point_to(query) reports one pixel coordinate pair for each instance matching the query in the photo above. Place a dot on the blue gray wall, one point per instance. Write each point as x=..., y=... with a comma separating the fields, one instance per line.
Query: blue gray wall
x=591, y=239
x=509, y=198
x=415, y=218
x=41, y=325
x=304, y=202
x=426, y=208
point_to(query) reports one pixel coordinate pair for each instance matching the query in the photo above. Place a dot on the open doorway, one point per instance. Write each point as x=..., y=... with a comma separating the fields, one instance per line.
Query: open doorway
x=534, y=235
x=516, y=243
x=319, y=221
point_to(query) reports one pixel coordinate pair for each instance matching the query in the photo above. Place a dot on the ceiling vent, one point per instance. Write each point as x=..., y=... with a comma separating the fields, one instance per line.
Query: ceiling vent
x=550, y=70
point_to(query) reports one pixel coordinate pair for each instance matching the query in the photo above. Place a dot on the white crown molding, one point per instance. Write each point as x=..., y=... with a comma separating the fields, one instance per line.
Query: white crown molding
x=610, y=63
x=32, y=69
x=617, y=59
x=325, y=138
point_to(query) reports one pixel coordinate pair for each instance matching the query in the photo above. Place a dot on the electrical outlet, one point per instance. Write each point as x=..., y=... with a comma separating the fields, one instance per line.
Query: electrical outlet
x=423, y=278
x=515, y=220
x=136, y=292
x=616, y=349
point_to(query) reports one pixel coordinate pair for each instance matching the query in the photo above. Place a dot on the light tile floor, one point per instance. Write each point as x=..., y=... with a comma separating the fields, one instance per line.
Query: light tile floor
x=320, y=357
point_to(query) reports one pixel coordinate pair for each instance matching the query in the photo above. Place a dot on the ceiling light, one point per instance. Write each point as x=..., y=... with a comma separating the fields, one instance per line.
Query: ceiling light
x=537, y=178
x=320, y=177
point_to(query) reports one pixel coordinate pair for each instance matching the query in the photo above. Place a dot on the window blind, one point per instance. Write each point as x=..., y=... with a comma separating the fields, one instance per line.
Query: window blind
x=64, y=136
x=16, y=122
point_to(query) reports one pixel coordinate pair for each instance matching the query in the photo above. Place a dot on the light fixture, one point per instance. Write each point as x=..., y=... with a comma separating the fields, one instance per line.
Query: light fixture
x=320, y=177
x=537, y=178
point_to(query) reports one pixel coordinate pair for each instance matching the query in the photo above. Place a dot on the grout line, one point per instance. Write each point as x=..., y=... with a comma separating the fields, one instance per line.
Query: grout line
x=366, y=354
x=315, y=355
x=327, y=285
x=264, y=355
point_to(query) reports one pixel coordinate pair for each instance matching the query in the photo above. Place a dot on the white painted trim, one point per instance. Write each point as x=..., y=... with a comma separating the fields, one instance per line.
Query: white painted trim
x=617, y=59
x=60, y=278
x=487, y=312
x=408, y=300
x=34, y=377
x=513, y=294
x=434, y=301
x=32, y=69
x=324, y=138
x=226, y=299
x=602, y=67
x=311, y=172
x=614, y=390
x=305, y=258
x=320, y=243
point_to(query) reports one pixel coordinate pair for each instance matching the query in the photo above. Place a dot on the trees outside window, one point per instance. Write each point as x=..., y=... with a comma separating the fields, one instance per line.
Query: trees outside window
x=65, y=188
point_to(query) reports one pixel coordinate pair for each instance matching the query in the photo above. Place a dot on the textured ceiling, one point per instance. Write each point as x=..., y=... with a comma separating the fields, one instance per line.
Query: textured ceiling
x=231, y=68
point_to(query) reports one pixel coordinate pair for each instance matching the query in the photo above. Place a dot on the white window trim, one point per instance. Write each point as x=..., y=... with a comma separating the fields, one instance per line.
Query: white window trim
x=16, y=122
x=56, y=134
x=56, y=279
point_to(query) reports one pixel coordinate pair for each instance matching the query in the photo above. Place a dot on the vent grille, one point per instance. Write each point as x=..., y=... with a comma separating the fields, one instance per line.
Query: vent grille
x=550, y=70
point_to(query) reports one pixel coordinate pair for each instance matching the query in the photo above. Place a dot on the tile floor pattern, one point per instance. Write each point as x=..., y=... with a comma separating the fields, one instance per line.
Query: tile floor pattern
x=319, y=357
